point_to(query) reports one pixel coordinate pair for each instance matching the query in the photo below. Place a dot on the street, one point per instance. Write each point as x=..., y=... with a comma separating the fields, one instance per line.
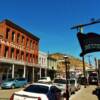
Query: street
x=82, y=94
x=85, y=94
x=5, y=94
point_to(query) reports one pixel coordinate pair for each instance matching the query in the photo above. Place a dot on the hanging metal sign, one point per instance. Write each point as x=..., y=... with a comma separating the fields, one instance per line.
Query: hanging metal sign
x=89, y=42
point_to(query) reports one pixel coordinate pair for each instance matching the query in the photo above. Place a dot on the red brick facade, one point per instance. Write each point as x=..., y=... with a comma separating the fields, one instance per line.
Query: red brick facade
x=16, y=43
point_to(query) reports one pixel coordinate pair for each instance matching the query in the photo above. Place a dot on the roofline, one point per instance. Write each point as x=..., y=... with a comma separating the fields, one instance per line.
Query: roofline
x=15, y=26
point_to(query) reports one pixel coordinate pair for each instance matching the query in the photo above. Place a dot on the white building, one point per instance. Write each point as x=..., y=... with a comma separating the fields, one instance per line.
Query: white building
x=42, y=61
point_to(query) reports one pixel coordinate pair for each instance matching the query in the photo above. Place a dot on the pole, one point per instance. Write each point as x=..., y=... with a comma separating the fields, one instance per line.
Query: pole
x=84, y=72
x=67, y=76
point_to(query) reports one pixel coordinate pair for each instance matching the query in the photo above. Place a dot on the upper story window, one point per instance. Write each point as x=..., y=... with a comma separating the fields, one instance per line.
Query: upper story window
x=7, y=32
x=27, y=57
x=6, y=52
x=12, y=53
x=39, y=60
x=31, y=44
x=18, y=38
x=17, y=55
x=27, y=42
x=13, y=36
x=23, y=39
x=22, y=55
x=31, y=58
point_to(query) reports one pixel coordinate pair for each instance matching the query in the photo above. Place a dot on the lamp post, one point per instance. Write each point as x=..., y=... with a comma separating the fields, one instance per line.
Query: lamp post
x=67, y=75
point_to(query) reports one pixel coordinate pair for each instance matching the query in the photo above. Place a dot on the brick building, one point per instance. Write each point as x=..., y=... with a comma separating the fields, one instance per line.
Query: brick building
x=18, y=52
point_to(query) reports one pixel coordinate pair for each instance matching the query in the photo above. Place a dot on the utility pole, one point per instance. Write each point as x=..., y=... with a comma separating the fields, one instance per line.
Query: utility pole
x=67, y=75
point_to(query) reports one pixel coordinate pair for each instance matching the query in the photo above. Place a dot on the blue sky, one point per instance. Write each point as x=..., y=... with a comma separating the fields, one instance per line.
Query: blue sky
x=51, y=21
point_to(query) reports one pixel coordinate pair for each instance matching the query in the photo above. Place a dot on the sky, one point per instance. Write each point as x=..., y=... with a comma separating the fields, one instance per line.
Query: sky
x=51, y=21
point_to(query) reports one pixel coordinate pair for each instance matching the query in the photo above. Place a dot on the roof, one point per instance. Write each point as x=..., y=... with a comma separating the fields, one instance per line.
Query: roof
x=17, y=27
x=48, y=85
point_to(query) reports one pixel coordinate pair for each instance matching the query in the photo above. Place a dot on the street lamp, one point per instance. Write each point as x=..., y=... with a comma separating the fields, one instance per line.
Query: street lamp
x=67, y=75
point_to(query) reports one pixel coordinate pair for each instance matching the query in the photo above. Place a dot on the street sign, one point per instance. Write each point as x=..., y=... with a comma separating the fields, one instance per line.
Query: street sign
x=89, y=42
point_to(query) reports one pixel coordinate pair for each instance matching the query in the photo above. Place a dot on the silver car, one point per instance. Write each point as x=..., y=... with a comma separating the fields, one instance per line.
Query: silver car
x=76, y=83
x=61, y=84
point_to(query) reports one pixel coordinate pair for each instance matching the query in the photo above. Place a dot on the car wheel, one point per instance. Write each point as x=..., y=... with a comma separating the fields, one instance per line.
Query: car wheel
x=13, y=86
x=24, y=85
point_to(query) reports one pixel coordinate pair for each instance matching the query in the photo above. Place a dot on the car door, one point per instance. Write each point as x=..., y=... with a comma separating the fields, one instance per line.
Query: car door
x=55, y=93
x=20, y=82
x=17, y=84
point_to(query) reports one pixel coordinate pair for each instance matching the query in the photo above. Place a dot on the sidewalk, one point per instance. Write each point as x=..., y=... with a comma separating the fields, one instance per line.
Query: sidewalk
x=84, y=94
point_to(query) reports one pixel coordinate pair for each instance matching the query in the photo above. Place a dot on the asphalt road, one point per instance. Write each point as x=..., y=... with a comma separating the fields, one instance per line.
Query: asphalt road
x=5, y=94
x=85, y=94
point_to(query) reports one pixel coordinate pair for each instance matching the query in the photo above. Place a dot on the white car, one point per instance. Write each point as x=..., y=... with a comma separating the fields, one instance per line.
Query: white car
x=38, y=91
x=61, y=84
x=76, y=84
x=44, y=80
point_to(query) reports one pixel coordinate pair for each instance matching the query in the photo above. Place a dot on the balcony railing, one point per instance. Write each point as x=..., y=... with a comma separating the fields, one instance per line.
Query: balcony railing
x=13, y=61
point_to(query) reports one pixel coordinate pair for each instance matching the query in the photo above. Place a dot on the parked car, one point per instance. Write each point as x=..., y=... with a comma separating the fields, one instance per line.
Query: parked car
x=13, y=83
x=38, y=91
x=61, y=84
x=76, y=83
x=71, y=85
x=82, y=80
x=44, y=80
x=93, y=78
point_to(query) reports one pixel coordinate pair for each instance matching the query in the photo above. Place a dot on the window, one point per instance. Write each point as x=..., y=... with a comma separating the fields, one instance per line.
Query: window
x=13, y=36
x=27, y=42
x=72, y=81
x=6, y=52
x=61, y=81
x=17, y=53
x=18, y=38
x=12, y=53
x=31, y=58
x=21, y=79
x=22, y=56
x=31, y=44
x=27, y=57
x=7, y=32
x=23, y=40
x=37, y=89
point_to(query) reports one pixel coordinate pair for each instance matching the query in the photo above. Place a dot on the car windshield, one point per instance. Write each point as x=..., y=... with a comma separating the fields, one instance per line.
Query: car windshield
x=43, y=78
x=37, y=89
x=72, y=81
x=93, y=74
x=62, y=81
x=20, y=79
